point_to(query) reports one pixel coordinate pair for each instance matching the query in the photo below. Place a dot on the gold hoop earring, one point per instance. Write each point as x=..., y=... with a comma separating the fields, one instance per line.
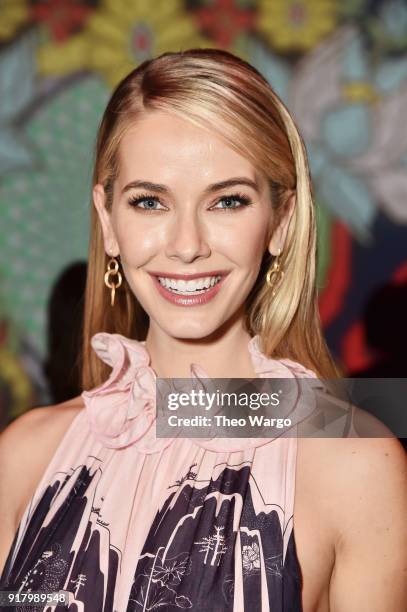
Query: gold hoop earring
x=276, y=272
x=113, y=271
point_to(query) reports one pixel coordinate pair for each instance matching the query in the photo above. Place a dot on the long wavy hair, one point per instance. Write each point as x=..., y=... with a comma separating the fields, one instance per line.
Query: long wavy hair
x=217, y=90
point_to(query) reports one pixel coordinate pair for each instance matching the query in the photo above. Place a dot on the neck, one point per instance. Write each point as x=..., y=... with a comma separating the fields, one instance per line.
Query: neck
x=220, y=355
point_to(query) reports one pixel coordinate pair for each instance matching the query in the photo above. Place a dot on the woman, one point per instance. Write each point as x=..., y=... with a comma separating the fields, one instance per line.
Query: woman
x=199, y=173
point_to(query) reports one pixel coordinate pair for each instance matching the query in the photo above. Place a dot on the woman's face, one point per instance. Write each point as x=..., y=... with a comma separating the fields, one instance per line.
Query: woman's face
x=186, y=204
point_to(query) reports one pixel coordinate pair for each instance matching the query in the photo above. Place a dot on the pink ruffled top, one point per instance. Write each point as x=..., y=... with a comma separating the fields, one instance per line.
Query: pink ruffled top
x=125, y=521
x=122, y=411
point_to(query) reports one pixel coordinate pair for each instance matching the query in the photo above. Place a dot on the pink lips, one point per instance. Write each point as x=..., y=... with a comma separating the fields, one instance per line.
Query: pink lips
x=193, y=300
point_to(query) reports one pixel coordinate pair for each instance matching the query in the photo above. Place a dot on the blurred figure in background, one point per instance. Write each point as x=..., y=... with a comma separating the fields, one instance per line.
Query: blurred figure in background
x=386, y=335
x=386, y=332
x=64, y=329
x=24, y=381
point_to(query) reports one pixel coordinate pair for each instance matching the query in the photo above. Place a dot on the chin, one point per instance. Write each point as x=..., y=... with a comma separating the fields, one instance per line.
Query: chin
x=184, y=331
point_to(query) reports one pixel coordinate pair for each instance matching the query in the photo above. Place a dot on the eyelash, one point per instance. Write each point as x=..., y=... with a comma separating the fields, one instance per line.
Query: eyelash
x=239, y=197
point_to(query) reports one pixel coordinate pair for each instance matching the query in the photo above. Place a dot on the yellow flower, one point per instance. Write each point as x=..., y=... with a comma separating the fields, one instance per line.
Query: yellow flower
x=13, y=13
x=120, y=35
x=15, y=377
x=296, y=25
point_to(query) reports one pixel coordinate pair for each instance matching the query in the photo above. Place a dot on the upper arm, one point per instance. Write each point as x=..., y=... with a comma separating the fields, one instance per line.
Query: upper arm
x=370, y=571
x=26, y=448
x=18, y=465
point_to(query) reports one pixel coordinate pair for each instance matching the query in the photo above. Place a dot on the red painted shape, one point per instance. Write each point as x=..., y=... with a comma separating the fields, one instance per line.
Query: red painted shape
x=400, y=275
x=224, y=21
x=62, y=17
x=339, y=274
x=355, y=353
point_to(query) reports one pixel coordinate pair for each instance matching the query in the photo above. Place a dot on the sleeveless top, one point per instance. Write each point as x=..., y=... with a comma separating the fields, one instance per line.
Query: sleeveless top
x=126, y=521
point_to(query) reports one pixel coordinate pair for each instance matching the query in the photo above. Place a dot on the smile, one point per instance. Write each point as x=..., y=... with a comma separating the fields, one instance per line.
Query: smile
x=183, y=287
x=195, y=292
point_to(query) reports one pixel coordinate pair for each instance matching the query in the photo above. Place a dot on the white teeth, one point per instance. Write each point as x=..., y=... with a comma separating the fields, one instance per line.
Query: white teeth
x=182, y=286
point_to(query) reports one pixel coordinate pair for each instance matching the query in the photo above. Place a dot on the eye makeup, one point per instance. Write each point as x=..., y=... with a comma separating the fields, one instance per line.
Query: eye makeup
x=242, y=199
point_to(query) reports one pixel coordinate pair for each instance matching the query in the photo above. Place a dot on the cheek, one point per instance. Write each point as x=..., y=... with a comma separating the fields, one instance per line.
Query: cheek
x=245, y=244
x=137, y=243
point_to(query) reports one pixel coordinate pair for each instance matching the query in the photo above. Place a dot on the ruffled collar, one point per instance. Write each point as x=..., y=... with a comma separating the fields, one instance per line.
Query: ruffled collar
x=122, y=411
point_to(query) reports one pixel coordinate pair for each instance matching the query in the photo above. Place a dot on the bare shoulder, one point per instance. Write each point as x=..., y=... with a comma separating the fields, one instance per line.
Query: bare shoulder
x=54, y=420
x=371, y=476
x=353, y=465
x=26, y=448
x=351, y=503
x=352, y=469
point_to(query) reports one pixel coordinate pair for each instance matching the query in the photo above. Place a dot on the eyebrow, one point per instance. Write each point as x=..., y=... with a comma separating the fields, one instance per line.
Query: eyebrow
x=233, y=182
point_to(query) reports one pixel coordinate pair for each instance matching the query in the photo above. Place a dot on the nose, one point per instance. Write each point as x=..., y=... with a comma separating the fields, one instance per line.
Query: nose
x=187, y=237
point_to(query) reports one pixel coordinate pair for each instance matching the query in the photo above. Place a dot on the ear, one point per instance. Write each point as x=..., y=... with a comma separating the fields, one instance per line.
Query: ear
x=109, y=237
x=278, y=238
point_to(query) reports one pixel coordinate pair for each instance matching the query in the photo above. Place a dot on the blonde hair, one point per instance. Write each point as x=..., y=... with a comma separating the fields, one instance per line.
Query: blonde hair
x=221, y=92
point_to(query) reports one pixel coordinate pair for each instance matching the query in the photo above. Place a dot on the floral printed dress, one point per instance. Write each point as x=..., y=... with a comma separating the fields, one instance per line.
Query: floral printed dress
x=127, y=522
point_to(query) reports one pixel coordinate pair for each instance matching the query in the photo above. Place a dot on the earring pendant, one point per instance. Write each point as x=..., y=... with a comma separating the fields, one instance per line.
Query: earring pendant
x=275, y=274
x=112, y=271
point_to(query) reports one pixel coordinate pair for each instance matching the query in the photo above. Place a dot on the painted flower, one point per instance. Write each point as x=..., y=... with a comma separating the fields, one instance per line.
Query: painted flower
x=61, y=17
x=349, y=114
x=296, y=25
x=119, y=36
x=251, y=557
x=14, y=13
x=357, y=151
x=224, y=20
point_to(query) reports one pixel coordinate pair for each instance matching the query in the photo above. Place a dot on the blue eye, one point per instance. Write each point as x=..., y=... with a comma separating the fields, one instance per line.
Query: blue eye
x=151, y=200
x=243, y=200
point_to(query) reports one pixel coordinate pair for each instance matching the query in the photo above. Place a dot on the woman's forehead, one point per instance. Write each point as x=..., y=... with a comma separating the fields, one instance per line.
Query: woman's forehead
x=167, y=145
